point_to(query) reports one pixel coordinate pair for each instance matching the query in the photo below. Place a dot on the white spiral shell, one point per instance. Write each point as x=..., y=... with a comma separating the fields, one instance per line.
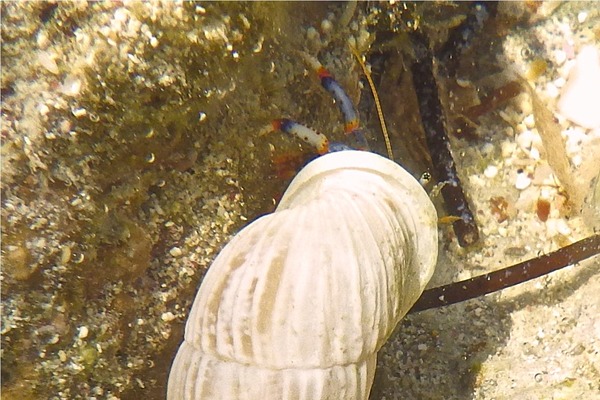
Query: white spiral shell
x=297, y=305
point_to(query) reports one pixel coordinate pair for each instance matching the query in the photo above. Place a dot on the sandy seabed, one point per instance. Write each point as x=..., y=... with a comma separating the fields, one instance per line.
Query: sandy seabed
x=131, y=153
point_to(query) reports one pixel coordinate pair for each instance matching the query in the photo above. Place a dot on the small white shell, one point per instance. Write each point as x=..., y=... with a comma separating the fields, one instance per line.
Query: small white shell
x=300, y=301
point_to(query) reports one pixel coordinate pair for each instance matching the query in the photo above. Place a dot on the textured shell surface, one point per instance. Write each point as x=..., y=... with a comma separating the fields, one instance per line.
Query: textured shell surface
x=300, y=301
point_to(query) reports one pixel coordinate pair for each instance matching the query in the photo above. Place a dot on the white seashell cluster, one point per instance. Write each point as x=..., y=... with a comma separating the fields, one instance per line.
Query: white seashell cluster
x=297, y=305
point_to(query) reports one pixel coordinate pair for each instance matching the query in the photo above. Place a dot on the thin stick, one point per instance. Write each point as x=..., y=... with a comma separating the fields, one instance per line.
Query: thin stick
x=386, y=137
x=522, y=272
x=436, y=137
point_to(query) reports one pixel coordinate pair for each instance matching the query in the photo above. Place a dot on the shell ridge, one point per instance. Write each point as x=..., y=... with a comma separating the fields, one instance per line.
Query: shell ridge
x=375, y=273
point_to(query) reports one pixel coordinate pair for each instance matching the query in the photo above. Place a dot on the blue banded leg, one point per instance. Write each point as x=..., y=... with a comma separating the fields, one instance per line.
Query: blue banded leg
x=349, y=113
x=310, y=136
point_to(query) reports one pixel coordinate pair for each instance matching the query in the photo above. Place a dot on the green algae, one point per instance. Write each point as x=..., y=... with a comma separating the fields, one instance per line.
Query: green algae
x=160, y=142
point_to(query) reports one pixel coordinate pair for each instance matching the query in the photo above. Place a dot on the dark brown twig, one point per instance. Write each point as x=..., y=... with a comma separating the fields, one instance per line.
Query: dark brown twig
x=478, y=286
x=433, y=120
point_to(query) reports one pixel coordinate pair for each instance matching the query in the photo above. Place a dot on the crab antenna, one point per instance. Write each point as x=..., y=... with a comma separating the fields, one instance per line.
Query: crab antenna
x=351, y=121
x=386, y=137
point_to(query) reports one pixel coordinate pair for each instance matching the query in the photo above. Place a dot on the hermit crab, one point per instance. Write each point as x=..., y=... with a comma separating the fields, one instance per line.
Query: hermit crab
x=299, y=302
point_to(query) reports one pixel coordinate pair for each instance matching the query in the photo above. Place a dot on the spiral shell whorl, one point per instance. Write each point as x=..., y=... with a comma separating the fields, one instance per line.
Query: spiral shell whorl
x=200, y=376
x=312, y=291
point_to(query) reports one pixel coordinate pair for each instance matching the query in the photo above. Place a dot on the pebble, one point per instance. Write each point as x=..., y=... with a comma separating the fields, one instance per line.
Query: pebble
x=175, y=251
x=490, y=172
x=312, y=34
x=525, y=140
x=65, y=255
x=534, y=153
x=529, y=121
x=48, y=61
x=552, y=91
x=42, y=39
x=83, y=332
x=44, y=109
x=523, y=181
x=121, y=15
x=560, y=56
x=79, y=112
x=168, y=316
x=560, y=82
x=562, y=227
x=557, y=226
x=508, y=148
x=71, y=86
x=326, y=26
x=576, y=138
